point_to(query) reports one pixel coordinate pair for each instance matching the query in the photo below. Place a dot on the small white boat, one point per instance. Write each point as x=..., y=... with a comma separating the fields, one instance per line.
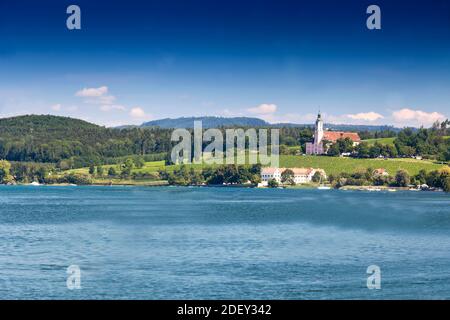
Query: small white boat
x=392, y=190
x=35, y=183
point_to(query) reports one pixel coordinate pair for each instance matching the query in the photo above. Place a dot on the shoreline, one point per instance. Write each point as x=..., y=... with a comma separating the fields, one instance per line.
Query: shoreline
x=166, y=184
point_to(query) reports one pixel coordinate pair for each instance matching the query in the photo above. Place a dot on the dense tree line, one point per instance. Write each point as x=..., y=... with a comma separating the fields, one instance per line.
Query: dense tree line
x=364, y=150
x=70, y=143
x=5, y=172
x=432, y=143
x=366, y=134
x=439, y=179
x=26, y=172
x=227, y=174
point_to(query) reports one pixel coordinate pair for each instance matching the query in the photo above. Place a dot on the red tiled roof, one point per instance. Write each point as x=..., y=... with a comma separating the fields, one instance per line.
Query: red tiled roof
x=333, y=136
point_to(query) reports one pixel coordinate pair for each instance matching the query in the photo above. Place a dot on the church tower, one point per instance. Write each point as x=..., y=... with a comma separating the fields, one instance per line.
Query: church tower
x=318, y=133
x=316, y=147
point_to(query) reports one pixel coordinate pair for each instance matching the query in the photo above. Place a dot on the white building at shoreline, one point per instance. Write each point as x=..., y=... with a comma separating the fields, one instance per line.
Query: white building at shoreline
x=301, y=175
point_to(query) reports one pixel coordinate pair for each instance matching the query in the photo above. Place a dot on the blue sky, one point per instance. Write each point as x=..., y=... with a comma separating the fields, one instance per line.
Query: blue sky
x=134, y=61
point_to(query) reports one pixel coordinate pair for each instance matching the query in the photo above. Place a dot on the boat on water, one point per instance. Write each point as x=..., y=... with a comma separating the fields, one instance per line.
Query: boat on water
x=35, y=183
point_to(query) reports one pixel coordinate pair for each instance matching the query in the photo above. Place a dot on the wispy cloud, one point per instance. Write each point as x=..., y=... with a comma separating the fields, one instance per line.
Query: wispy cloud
x=103, y=100
x=400, y=118
x=56, y=107
x=92, y=92
x=99, y=96
x=110, y=107
x=410, y=117
x=139, y=113
x=367, y=116
x=265, y=108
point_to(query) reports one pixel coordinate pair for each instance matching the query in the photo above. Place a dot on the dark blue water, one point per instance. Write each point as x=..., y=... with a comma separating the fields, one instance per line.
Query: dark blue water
x=222, y=243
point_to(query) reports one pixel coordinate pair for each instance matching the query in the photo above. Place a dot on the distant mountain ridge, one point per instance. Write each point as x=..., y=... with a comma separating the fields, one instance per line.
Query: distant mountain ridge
x=207, y=122
x=215, y=122
x=63, y=126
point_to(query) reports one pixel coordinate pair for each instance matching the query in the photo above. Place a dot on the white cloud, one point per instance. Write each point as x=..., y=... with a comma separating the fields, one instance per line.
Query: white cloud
x=410, y=117
x=99, y=96
x=92, y=92
x=367, y=116
x=56, y=107
x=264, y=108
x=111, y=107
x=103, y=100
x=139, y=113
x=399, y=118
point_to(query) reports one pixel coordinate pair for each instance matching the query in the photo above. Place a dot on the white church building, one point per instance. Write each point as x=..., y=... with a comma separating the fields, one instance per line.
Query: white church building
x=316, y=147
x=322, y=139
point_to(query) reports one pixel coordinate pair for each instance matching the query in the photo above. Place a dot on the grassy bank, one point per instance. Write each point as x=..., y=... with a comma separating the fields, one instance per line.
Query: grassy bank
x=380, y=140
x=331, y=165
x=129, y=182
x=336, y=165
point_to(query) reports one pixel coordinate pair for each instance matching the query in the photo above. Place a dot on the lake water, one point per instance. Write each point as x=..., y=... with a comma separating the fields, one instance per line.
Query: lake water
x=222, y=243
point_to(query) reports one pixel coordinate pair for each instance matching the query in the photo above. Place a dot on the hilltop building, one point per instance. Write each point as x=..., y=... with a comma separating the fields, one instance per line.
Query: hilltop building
x=323, y=139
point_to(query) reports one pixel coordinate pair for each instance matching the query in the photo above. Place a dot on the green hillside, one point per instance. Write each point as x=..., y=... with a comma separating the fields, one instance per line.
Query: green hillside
x=74, y=142
x=336, y=165
x=380, y=140
x=331, y=165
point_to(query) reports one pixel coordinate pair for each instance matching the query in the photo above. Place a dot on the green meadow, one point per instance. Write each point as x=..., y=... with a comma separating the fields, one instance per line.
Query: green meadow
x=388, y=140
x=380, y=140
x=331, y=165
x=335, y=165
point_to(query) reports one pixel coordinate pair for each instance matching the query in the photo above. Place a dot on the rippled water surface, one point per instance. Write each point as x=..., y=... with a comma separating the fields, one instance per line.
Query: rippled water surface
x=222, y=243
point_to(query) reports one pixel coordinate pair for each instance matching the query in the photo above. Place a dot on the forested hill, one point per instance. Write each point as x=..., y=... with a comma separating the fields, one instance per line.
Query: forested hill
x=216, y=122
x=207, y=122
x=43, y=125
x=73, y=143
x=45, y=138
